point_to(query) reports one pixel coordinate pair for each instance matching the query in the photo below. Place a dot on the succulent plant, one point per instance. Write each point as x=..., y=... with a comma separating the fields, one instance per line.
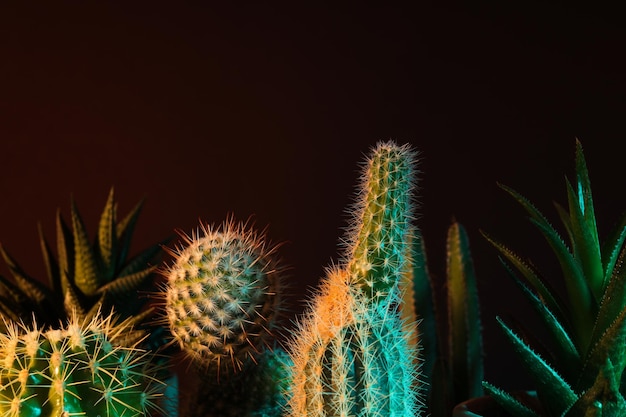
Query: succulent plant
x=223, y=295
x=579, y=371
x=79, y=369
x=86, y=277
x=260, y=389
x=353, y=352
x=452, y=354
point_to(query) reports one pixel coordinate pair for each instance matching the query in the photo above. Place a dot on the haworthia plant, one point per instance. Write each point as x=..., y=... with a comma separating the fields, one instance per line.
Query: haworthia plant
x=85, y=276
x=583, y=375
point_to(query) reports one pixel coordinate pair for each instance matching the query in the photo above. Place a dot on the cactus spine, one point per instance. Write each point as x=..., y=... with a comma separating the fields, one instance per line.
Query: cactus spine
x=352, y=353
x=223, y=295
x=76, y=370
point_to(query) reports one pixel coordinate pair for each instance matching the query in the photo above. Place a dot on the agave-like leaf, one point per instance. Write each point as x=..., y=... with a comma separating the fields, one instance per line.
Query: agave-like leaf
x=127, y=283
x=585, y=244
x=107, y=240
x=547, y=295
x=614, y=300
x=568, y=358
x=87, y=278
x=585, y=201
x=547, y=380
x=65, y=251
x=603, y=398
x=464, y=337
x=125, y=229
x=611, y=347
x=139, y=261
x=508, y=402
x=30, y=287
x=51, y=266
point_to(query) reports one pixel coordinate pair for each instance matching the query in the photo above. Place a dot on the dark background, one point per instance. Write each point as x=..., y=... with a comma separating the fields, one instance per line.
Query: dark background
x=268, y=110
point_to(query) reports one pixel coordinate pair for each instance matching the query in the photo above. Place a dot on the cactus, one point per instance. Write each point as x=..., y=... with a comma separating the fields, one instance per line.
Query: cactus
x=86, y=277
x=261, y=389
x=223, y=295
x=352, y=354
x=452, y=364
x=79, y=369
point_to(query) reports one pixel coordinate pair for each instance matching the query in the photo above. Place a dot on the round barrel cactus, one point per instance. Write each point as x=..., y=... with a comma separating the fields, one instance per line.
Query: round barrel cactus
x=75, y=370
x=223, y=295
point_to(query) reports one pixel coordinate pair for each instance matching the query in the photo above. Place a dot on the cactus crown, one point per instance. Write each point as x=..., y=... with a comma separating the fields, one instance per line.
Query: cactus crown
x=378, y=236
x=587, y=330
x=223, y=294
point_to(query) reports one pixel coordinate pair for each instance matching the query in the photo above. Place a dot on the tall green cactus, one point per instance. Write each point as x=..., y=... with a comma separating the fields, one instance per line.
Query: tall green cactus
x=352, y=353
x=223, y=295
x=77, y=370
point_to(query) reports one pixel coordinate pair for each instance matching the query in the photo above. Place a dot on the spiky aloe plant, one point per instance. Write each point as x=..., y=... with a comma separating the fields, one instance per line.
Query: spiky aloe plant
x=453, y=354
x=85, y=277
x=223, y=295
x=353, y=353
x=583, y=373
x=79, y=369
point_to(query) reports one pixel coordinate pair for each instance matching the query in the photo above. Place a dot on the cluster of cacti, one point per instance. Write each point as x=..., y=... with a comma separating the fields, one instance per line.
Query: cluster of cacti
x=580, y=369
x=352, y=354
x=85, y=277
x=79, y=369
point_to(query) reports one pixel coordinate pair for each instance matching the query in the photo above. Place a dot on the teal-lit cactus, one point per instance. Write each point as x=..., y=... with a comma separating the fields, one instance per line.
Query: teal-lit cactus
x=223, y=295
x=353, y=353
x=379, y=234
x=79, y=369
x=261, y=389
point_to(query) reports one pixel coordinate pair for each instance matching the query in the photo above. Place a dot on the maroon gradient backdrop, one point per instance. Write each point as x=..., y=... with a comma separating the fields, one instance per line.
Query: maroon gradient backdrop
x=257, y=110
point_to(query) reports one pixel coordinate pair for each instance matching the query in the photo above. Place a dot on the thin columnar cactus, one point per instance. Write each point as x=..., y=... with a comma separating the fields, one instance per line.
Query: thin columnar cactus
x=76, y=370
x=353, y=352
x=223, y=295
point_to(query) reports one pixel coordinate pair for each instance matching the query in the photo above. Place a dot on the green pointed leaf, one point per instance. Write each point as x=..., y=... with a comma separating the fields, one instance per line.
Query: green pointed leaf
x=567, y=356
x=127, y=284
x=31, y=288
x=65, y=251
x=107, y=239
x=581, y=301
x=616, y=251
x=585, y=243
x=585, y=200
x=579, y=293
x=614, y=299
x=547, y=380
x=125, y=229
x=464, y=338
x=12, y=292
x=72, y=302
x=143, y=259
x=86, y=277
x=604, y=397
x=611, y=346
x=508, y=402
x=545, y=293
x=52, y=267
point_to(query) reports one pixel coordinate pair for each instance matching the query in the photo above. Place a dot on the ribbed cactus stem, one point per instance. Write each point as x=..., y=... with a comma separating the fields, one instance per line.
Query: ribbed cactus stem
x=378, y=240
x=76, y=370
x=223, y=295
x=353, y=357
